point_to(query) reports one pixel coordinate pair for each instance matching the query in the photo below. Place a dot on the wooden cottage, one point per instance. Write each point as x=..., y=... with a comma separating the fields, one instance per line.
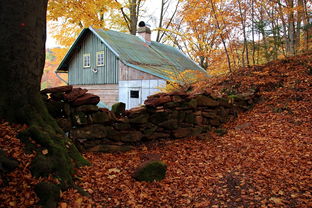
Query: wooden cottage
x=121, y=67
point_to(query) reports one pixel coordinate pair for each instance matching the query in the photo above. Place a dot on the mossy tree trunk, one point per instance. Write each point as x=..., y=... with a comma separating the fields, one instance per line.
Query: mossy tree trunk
x=22, y=57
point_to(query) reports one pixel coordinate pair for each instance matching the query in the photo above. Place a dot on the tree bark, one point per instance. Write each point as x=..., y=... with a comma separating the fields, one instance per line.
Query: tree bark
x=22, y=57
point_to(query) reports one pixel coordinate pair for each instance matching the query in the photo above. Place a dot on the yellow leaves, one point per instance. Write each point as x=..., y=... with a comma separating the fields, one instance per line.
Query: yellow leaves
x=71, y=16
x=113, y=170
x=276, y=200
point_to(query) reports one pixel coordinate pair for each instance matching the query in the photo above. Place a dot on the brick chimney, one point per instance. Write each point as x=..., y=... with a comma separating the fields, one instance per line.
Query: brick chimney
x=144, y=31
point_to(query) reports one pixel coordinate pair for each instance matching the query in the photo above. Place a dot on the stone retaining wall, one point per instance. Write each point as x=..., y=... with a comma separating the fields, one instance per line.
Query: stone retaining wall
x=175, y=115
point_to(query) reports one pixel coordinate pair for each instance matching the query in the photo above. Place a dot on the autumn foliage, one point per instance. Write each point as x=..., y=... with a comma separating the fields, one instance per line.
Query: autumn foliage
x=263, y=160
x=53, y=59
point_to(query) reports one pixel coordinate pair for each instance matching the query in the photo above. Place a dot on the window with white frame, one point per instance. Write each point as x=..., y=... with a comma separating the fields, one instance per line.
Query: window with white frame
x=86, y=60
x=100, y=58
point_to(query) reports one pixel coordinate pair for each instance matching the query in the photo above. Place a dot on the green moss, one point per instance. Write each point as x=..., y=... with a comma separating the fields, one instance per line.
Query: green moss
x=48, y=194
x=41, y=166
x=119, y=108
x=151, y=171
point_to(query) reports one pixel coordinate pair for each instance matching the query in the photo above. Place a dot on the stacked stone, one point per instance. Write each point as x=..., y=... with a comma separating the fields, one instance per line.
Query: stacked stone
x=70, y=106
x=174, y=115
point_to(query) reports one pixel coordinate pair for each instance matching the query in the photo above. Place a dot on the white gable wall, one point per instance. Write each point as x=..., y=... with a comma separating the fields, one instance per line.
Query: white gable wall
x=141, y=89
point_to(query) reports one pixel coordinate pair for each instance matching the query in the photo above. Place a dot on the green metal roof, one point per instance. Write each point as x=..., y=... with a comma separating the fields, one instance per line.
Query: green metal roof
x=155, y=58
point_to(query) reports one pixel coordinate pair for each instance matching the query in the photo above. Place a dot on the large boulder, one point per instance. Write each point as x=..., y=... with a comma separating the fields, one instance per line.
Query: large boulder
x=153, y=170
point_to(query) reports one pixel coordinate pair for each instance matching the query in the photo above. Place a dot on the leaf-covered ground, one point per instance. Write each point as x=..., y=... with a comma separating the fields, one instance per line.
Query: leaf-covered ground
x=264, y=160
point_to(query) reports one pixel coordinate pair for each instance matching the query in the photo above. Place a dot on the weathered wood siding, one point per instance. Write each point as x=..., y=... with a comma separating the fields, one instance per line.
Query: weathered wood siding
x=107, y=74
x=108, y=92
x=128, y=73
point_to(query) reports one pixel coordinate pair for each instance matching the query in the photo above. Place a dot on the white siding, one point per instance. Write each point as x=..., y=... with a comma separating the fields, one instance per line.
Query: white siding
x=145, y=88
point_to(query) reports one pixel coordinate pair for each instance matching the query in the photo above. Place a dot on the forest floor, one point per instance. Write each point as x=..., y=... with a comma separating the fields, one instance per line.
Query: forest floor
x=264, y=159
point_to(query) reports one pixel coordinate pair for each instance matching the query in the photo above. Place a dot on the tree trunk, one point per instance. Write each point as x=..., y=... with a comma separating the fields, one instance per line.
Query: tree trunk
x=133, y=16
x=22, y=57
x=243, y=22
x=253, y=32
x=291, y=27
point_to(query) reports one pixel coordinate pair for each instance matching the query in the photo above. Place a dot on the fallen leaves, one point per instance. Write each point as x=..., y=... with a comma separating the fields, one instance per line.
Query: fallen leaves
x=264, y=160
x=16, y=188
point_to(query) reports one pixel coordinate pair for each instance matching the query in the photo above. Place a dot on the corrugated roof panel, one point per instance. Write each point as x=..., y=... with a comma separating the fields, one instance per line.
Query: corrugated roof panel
x=158, y=59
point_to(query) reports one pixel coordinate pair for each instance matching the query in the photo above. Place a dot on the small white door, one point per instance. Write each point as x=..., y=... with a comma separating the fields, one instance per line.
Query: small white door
x=135, y=97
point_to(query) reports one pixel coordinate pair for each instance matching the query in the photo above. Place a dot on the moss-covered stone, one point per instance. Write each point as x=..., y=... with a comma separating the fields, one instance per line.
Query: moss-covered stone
x=119, y=108
x=203, y=100
x=151, y=171
x=87, y=108
x=171, y=104
x=149, y=131
x=181, y=116
x=157, y=135
x=190, y=118
x=79, y=118
x=95, y=131
x=192, y=103
x=48, y=193
x=170, y=124
x=139, y=119
x=159, y=117
x=127, y=136
x=122, y=126
x=99, y=117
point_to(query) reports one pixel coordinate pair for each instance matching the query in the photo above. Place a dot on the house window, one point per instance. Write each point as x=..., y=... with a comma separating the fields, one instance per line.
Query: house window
x=134, y=93
x=100, y=58
x=86, y=60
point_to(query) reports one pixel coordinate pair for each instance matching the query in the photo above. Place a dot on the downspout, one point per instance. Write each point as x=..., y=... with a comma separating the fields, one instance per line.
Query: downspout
x=58, y=76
